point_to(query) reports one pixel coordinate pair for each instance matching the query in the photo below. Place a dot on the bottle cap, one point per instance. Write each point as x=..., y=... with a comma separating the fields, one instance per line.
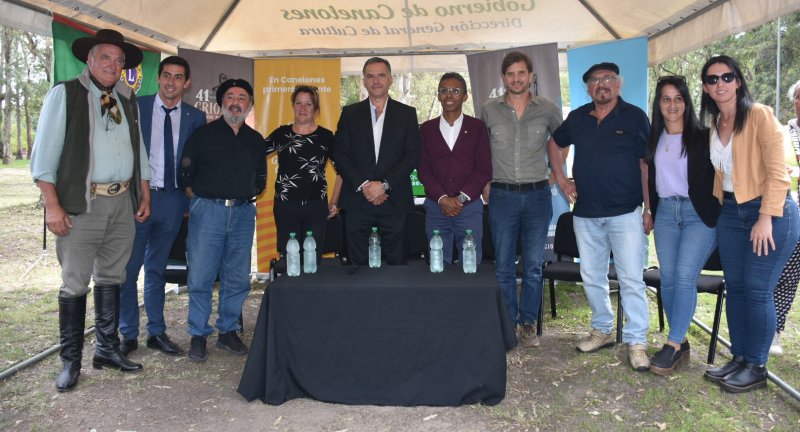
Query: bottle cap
x=374, y=229
x=436, y=232
x=309, y=233
x=469, y=232
x=291, y=235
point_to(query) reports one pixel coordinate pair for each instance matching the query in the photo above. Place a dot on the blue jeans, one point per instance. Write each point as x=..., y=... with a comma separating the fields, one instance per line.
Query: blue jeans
x=523, y=215
x=750, y=279
x=219, y=242
x=151, y=247
x=683, y=244
x=597, y=238
x=454, y=229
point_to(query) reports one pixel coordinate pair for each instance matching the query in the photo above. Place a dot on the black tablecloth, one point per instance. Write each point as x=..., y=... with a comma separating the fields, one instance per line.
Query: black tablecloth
x=398, y=335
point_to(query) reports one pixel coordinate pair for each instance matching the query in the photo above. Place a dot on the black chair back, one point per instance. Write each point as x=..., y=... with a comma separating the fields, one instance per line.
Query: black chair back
x=565, y=242
x=713, y=262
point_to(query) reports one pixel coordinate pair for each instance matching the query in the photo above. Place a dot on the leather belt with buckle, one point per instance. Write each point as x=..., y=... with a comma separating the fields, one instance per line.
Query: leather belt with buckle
x=110, y=189
x=521, y=187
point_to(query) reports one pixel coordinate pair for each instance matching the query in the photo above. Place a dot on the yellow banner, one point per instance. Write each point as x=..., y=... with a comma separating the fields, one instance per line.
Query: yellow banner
x=275, y=80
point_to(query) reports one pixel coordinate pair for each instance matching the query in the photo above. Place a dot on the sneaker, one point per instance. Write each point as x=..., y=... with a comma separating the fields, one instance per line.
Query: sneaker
x=528, y=337
x=775, y=348
x=230, y=342
x=197, y=349
x=594, y=341
x=637, y=355
x=667, y=360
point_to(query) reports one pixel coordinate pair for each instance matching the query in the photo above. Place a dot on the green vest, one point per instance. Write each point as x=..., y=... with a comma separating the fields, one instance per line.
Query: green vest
x=73, y=180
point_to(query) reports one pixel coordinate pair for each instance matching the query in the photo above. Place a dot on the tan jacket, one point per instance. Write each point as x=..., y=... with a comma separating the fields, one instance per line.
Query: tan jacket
x=758, y=166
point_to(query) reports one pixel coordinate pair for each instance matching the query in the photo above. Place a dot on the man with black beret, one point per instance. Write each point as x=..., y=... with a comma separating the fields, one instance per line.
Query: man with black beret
x=610, y=185
x=223, y=169
x=91, y=166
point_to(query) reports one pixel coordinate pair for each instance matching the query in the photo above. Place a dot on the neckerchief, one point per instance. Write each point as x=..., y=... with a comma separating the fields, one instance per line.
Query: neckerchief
x=107, y=101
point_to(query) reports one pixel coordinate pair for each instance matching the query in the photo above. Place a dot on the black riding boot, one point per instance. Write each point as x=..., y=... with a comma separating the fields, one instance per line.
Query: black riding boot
x=71, y=323
x=106, y=317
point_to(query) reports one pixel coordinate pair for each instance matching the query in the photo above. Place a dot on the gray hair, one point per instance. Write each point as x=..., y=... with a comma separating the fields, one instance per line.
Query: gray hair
x=793, y=90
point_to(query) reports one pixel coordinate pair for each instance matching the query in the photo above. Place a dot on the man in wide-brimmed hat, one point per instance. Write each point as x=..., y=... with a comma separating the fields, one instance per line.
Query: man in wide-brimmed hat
x=91, y=166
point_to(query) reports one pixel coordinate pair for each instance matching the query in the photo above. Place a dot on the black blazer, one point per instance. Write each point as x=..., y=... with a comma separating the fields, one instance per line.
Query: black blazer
x=701, y=183
x=355, y=154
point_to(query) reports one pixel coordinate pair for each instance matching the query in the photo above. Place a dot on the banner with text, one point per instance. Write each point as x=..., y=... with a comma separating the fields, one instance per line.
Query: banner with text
x=486, y=78
x=275, y=80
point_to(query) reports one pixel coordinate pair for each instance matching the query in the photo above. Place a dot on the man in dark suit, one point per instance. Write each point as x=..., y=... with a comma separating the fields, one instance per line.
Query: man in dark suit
x=377, y=146
x=165, y=120
x=455, y=163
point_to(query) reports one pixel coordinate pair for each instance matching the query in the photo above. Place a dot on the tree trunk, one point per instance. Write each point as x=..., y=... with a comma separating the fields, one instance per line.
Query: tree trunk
x=5, y=142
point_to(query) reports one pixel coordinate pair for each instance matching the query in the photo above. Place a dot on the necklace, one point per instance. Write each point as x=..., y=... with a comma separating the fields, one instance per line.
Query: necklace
x=668, y=141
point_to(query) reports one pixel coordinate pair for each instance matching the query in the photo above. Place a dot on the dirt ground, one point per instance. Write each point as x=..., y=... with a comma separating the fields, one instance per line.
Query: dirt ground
x=549, y=388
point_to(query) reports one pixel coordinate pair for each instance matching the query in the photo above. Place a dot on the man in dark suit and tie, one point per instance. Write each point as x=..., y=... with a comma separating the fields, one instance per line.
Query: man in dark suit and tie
x=166, y=125
x=377, y=147
x=455, y=163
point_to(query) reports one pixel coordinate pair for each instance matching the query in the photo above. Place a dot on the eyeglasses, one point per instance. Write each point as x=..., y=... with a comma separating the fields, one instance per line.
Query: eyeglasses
x=453, y=91
x=680, y=78
x=713, y=79
x=605, y=79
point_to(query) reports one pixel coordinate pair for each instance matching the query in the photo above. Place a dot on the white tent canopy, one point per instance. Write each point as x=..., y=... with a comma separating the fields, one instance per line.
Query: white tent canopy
x=347, y=28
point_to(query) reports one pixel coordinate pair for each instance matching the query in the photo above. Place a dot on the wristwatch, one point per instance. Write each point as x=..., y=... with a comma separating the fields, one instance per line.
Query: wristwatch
x=647, y=210
x=386, y=186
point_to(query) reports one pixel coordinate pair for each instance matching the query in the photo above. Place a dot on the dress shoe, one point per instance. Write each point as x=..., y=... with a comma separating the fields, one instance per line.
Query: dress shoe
x=230, y=342
x=750, y=377
x=162, y=343
x=667, y=360
x=197, y=349
x=128, y=346
x=68, y=378
x=115, y=360
x=718, y=374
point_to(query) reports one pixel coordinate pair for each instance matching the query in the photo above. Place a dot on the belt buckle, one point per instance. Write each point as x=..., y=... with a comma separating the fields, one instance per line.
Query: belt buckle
x=230, y=202
x=114, y=188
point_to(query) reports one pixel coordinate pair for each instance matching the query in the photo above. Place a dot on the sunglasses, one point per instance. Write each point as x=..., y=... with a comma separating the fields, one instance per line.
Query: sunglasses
x=680, y=78
x=713, y=79
x=453, y=91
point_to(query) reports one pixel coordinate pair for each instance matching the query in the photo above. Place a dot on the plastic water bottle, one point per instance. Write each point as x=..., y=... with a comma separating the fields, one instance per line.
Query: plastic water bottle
x=292, y=256
x=437, y=256
x=470, y=260
x=374, y=248
x=309, y=254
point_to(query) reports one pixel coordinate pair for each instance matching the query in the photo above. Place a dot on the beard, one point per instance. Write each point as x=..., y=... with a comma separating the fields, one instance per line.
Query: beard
x=235, y=119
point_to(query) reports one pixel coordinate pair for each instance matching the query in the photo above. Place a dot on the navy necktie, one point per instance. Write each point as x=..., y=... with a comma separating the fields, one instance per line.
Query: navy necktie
x=169, y=156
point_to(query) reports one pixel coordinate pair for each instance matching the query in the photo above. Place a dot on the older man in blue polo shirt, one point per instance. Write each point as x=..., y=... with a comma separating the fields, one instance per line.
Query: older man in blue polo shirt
x=609, y=135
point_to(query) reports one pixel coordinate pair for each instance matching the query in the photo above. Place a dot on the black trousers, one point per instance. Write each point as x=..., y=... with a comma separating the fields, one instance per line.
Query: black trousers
x=293, y=216
x=391, y=224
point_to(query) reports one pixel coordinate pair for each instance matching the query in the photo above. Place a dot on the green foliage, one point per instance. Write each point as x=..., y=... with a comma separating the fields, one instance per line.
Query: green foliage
x=755, y=50
x=421, y=93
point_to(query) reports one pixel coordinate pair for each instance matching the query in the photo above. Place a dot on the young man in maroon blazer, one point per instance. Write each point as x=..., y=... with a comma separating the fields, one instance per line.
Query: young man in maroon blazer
x=455, y=163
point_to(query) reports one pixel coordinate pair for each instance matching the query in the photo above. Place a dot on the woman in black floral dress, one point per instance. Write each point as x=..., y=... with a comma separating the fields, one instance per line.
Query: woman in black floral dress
x=301, y=190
